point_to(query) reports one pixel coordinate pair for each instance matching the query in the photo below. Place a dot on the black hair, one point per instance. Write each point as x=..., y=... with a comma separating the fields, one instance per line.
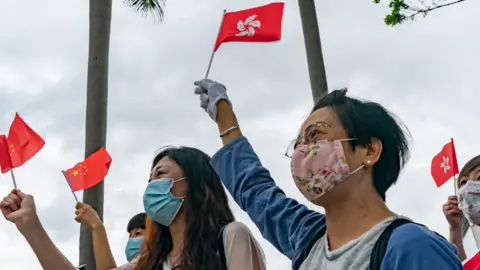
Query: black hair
x=206, y=212
x=366, y=120
x=137, y=222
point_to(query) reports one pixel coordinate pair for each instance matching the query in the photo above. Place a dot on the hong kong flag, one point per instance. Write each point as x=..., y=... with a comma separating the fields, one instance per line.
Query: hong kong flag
x=259, y=24
x=444, y=164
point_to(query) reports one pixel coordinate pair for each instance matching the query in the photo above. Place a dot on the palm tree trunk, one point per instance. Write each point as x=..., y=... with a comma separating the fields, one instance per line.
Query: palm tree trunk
x=96, y=114
x=313, y=47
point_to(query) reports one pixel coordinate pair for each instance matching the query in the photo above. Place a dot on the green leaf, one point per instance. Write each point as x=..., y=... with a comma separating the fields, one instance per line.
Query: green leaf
x=155, y=7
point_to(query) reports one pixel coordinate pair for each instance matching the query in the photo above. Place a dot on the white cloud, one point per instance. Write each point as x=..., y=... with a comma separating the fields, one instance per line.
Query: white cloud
x=425, y=72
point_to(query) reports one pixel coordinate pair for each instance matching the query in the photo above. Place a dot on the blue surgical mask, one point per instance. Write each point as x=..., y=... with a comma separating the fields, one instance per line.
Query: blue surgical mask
x=133, y=247
x=159, y=203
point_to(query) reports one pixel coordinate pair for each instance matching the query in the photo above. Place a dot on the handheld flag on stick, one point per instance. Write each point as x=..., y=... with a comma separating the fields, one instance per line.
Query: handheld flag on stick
x=89, y=172
x=444, y=164
x=23, y=142
x=21, y=145
x=5, y=161
x=259, y=24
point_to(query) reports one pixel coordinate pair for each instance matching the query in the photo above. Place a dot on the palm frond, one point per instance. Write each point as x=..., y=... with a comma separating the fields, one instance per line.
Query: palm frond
x=155, y=7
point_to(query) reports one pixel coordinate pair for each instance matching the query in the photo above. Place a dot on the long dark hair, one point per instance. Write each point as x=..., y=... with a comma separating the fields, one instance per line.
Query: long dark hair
x=206, y=212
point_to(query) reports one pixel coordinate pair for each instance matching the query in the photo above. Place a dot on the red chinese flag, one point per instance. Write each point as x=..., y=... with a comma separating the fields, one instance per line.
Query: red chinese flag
x=90, y=172
x=23, y=142
x=444, y=164
x=472, y=263
x=5, y=161
x=260, y=24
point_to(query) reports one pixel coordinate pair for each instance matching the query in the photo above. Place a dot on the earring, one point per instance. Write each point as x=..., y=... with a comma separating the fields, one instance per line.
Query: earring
x=369, y=162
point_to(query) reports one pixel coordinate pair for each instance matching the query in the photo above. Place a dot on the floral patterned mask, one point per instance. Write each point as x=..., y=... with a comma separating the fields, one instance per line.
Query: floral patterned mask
x=469, y=201
x=318, y=167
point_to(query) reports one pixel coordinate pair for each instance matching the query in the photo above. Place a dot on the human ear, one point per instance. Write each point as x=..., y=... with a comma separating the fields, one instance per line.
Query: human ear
x=372, y=155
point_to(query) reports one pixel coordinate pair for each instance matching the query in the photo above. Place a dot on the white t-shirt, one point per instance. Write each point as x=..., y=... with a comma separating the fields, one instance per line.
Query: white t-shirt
x=237, y=241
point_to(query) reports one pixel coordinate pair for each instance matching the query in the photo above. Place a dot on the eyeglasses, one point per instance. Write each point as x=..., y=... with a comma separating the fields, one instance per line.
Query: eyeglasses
x=309, y=136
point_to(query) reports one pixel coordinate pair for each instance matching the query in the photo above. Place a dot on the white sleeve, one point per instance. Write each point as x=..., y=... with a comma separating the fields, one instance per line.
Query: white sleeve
x=239, y=246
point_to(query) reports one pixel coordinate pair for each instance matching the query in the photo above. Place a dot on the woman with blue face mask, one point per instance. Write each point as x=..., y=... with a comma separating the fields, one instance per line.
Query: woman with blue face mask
x=465, y=206
x=190, y=225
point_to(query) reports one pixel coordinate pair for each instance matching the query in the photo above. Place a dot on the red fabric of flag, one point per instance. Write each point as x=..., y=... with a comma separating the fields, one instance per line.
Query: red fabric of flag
x=5, y=161
x=89, y=172
x=23, y=142
x=259, y=24
x=472, y=263
x=444, y=164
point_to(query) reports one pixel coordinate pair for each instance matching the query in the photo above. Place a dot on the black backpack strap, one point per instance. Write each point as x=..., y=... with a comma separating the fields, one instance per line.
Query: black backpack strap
x=221, y=247
x=380, y=247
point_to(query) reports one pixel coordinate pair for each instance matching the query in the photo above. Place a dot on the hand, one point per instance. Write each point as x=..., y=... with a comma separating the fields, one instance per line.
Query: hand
x=86, y=215
x=453, y=213
x=19, y=208
x=211, y=93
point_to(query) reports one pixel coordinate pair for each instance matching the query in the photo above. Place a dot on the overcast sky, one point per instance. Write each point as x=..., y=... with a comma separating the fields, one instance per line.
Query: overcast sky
x=426, y=72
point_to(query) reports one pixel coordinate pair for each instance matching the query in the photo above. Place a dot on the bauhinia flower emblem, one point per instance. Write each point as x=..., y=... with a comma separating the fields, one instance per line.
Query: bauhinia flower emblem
x=445, y=164
x=247, y=27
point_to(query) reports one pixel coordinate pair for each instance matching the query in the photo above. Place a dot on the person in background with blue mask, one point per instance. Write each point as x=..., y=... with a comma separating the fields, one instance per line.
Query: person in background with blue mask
x=103, y=255
x=190, y=225
x=466, y=204
x=136, y=233
x=347, y=155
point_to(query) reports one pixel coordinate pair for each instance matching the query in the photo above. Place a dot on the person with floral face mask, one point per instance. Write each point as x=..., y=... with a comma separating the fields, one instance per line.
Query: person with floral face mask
x=347, y=155
x=465, y=207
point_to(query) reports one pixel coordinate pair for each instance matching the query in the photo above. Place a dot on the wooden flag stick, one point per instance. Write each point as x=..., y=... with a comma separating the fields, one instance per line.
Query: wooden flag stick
x=13, y=179
x=213, y=51
x=70, y=186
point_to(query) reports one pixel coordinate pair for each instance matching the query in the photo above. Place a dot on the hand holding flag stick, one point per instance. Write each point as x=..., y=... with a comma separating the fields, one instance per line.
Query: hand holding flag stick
x=259, y=24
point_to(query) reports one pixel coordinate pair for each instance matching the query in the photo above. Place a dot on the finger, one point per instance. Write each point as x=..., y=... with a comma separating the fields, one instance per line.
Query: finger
x=452, y=201
x=453, y=212
x=77, y=212
x=78, y=219
x=11, y=204
x=80, y=205
x=201, y=82
x=3, y=203
x=204, y=98
x=200, y=90
x=15, y=198
x=20, y=194
x=452, y=197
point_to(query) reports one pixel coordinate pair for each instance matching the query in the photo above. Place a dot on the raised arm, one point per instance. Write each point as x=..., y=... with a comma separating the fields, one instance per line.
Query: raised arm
x=19, y=208
x=285, y=223
x=101, y=248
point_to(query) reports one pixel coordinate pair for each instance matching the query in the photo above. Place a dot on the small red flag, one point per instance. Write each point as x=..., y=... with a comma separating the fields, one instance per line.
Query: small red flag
x=259, y=24
x=5, y=161
x=90, y=172
x=23, y=142
x=444, y=164
x=472, y=263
